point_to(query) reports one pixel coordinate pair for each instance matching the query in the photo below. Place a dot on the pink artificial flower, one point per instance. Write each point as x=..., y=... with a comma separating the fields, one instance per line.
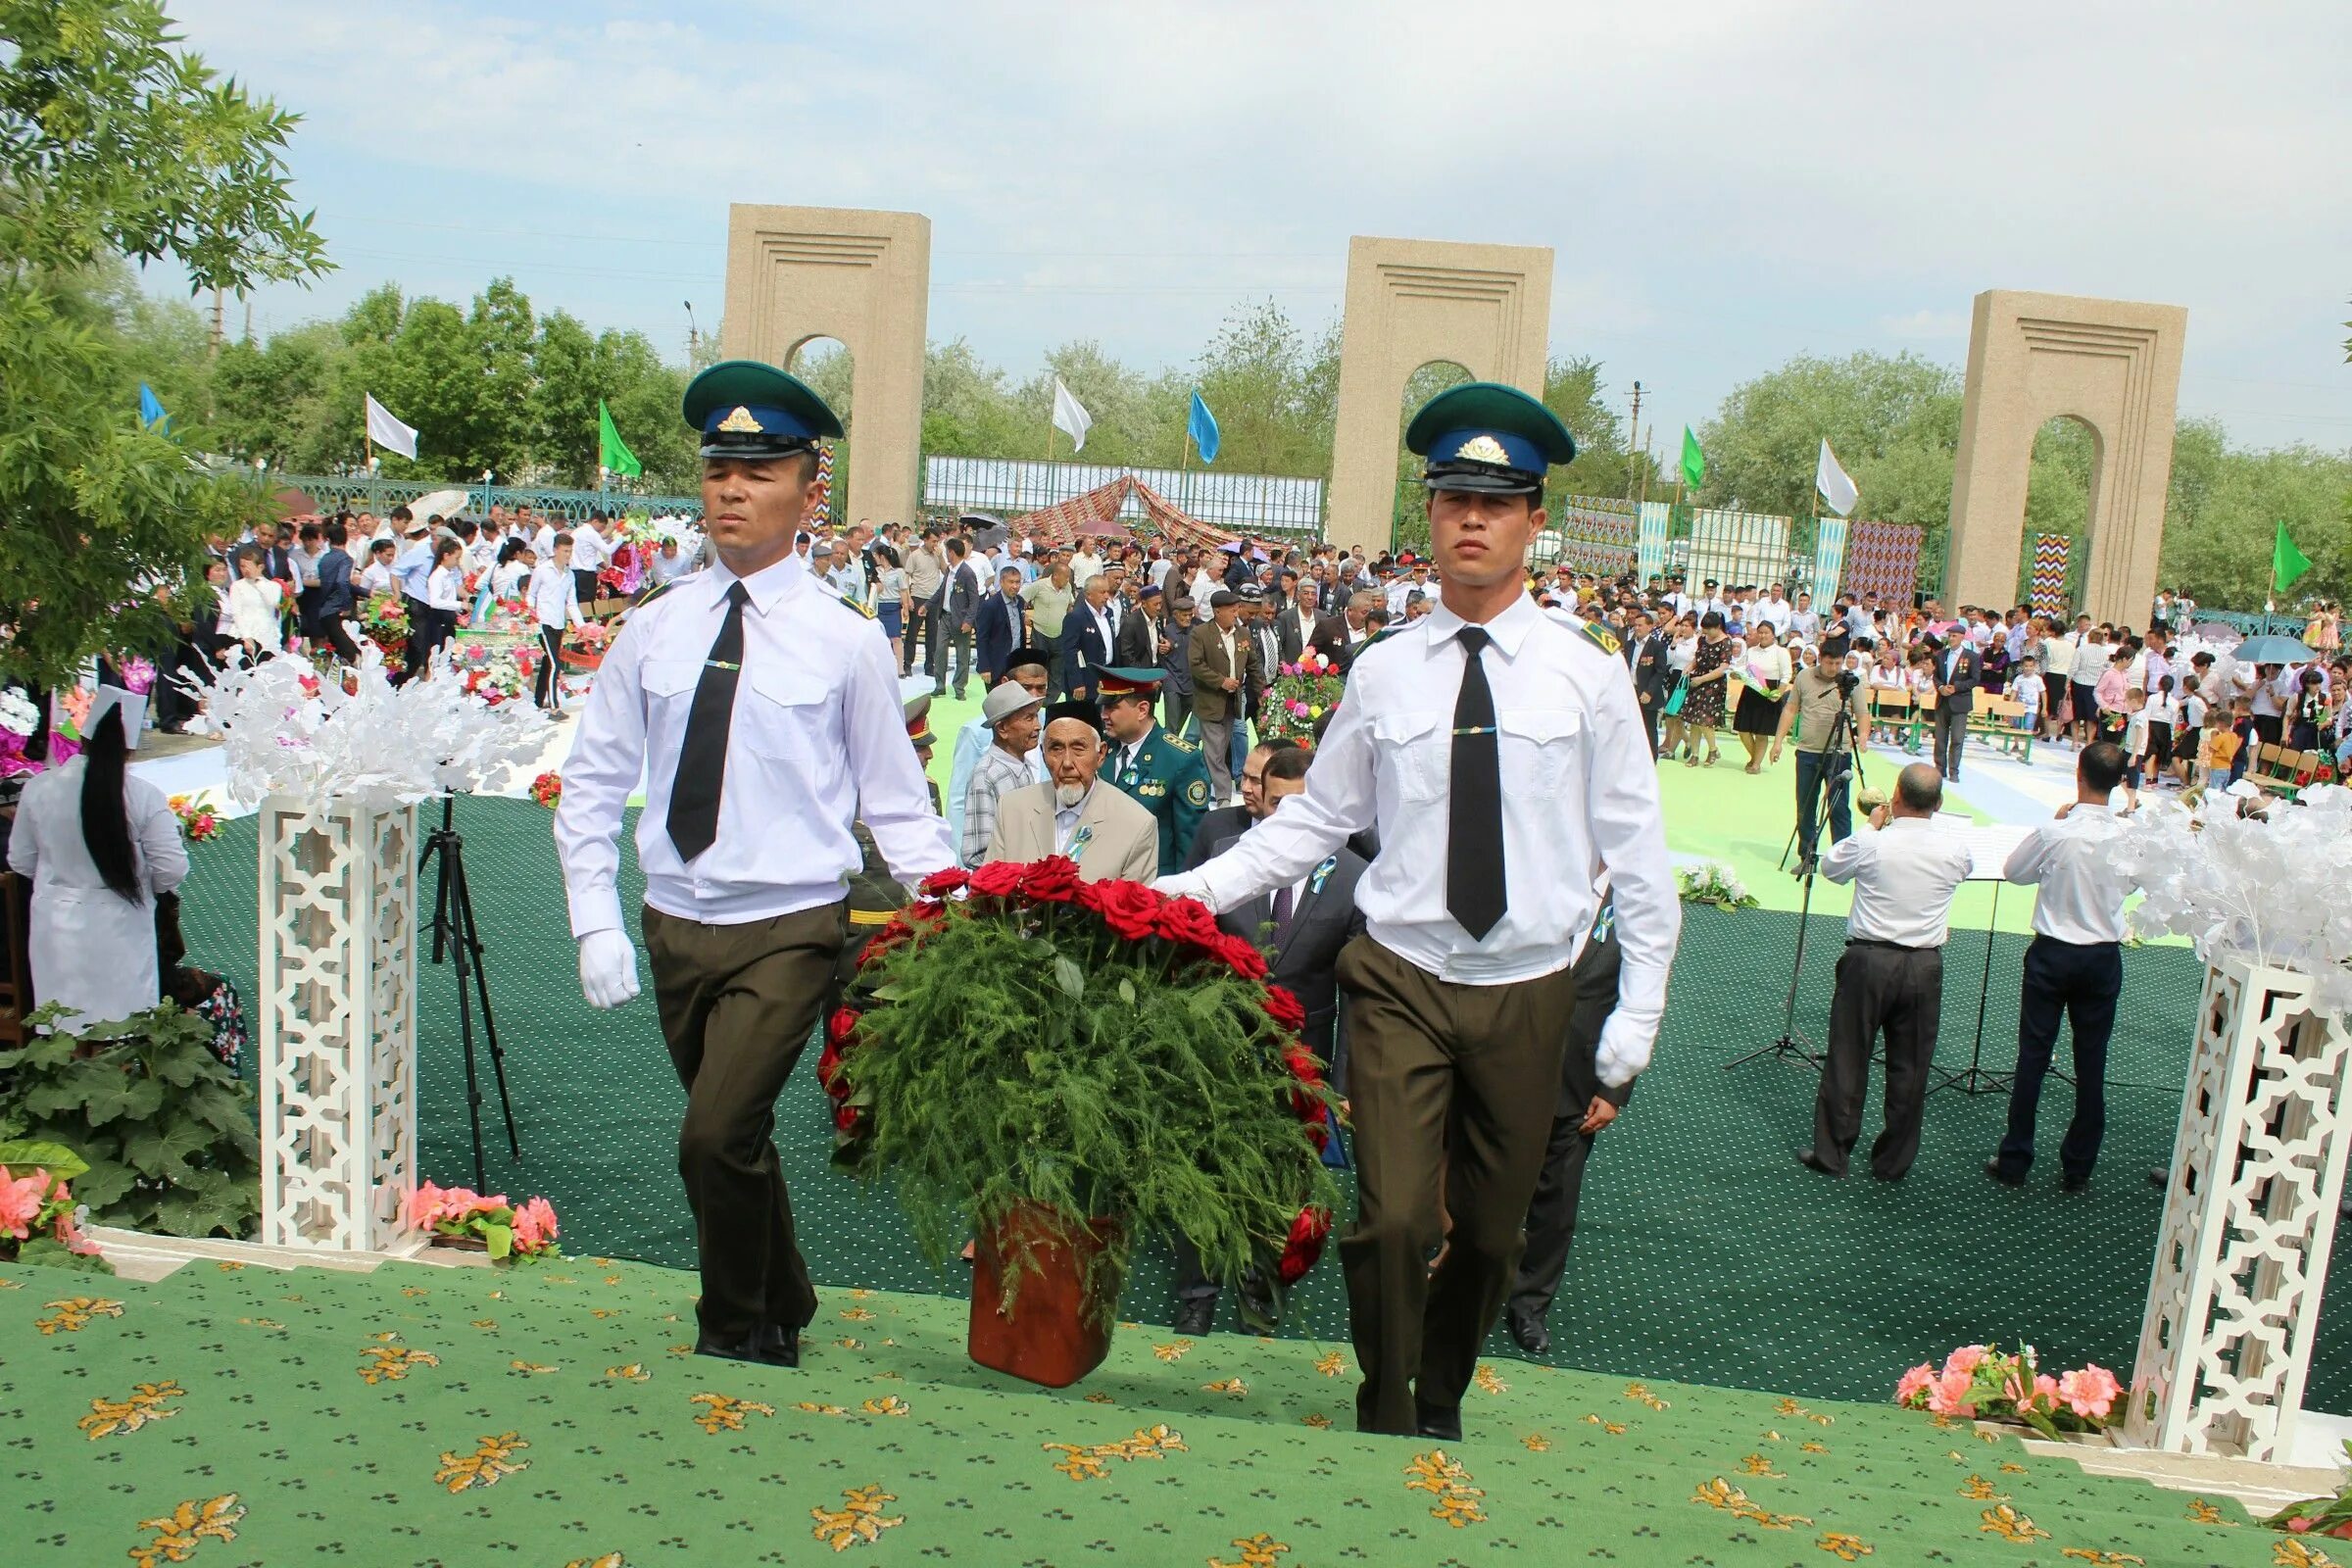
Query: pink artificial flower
x=1915, y=1385
x=20, y=1201
x=534, y=1225
x=2091, y=1393
x=1949, y=1395
x=2046, y=1390
x=1963, y=1361
x=422, y=1208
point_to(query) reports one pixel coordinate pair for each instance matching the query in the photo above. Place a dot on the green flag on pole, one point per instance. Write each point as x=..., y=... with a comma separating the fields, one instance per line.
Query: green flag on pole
x=613, y=452
x=1694, y=461
x=2287, y=561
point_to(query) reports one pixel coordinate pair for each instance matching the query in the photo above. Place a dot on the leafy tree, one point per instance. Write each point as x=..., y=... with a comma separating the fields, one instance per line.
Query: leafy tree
x=113, y=144
x=1763, y=442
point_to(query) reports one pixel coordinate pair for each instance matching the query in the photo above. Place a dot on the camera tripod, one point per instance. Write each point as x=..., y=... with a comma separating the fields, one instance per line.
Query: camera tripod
x=455, y=933
x=1837, y=755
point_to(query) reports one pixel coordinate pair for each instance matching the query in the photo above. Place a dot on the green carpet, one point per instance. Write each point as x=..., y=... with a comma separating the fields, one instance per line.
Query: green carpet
x=548, y=1415
x=1704, y=1253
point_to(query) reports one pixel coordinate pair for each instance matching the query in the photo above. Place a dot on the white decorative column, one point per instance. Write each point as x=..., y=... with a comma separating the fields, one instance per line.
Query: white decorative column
x=338, y=1026
x=2258, y=1167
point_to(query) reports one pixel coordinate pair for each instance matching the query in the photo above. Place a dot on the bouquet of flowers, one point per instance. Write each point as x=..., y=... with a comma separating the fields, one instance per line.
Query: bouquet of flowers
x=1302, y=694
x=198, y=822
x=2317, y=1516
x=138, y=674
x=1010, y=1053
x=39, y=1220
x=525, y=1230
x=548, y=790
x=1983, y=1383
x=494, y=672
x=385, y=621
x=1713, y=882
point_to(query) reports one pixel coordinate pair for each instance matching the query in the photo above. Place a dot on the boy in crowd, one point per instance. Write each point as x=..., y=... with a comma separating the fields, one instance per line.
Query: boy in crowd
x=2026, y=689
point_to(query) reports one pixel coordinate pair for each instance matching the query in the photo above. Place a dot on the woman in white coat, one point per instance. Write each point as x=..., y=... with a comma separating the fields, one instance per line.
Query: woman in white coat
x=98, y=846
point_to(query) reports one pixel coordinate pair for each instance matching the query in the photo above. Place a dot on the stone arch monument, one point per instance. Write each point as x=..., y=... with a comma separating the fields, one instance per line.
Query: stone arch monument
x=2116, y=368
x=864, y=278
x=1487, y=307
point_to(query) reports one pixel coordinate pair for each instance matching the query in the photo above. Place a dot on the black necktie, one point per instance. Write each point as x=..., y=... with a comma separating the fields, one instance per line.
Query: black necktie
x=702, y=758
x=1474, y=868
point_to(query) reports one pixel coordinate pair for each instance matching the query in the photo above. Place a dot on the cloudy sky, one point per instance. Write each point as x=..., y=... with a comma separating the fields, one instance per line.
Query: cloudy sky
x=1723, y=184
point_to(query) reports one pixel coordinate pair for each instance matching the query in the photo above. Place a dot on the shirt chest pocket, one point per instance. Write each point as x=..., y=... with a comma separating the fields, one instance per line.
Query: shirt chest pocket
x=1418, y=749
x=1539, y=748
x=782, y=715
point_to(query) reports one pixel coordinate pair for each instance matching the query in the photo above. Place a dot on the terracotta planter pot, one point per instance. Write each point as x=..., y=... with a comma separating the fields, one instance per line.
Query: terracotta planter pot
x=1048, y=1337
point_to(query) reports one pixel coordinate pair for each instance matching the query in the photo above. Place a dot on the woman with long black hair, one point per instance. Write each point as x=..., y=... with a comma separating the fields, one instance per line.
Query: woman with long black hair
x=98, y=845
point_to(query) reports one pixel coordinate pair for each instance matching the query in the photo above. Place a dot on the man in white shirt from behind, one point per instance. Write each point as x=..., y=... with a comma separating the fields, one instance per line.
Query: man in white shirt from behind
x=1904, y=870
x=2074, y=966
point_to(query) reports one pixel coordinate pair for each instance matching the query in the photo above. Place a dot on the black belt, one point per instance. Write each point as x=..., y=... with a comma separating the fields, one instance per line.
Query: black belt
x=1894, y=947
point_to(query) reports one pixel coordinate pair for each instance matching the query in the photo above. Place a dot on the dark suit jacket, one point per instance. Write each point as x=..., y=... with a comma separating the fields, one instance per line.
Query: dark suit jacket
x=335, y=596
x=1138, y=645
x=1303, y=955
x=995, y=633
x=1083, y=650
x=1329, y=637
x=1963, y=680
x=1210, y=671
x=1178, y=659
x=1653, y=677
x=965, y=591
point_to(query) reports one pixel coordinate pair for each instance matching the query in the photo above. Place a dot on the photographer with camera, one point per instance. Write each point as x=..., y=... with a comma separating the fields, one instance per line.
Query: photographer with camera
x=1818, y=694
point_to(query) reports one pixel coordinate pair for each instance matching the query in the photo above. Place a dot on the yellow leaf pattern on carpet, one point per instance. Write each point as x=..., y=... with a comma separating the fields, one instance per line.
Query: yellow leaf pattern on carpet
x=860, y=1518
x=1258, y=1551
x=1446, y=1481
x=2007, y=1523
x=389, y=1363
x=491, y=1463
x=1844, y=1545
x=75, y=1314
x=108, y=1417
x=178, y=1531
x=723, y=1412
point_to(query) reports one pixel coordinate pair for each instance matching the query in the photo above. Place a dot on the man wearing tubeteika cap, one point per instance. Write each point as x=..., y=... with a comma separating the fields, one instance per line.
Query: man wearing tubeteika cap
x=1498, y=752
x=764, y=713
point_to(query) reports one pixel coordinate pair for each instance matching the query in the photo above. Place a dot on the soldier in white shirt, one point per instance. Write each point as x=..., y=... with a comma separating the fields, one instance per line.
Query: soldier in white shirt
x=1499, y=754
x=2074, y=966
x=764, y=714
x=1890, y=976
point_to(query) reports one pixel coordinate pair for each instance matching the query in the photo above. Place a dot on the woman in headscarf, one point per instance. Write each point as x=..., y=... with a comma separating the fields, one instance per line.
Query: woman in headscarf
x=97, y=846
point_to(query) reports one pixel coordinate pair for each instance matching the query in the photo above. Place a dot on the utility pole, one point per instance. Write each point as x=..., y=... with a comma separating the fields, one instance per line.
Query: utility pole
x=1632, y=434
x=214, y=347
x=694, y=340
x=249, y=320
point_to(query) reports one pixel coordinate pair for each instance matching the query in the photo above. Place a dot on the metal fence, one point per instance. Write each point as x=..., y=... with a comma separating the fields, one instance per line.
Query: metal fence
x=1242, y=503
x=362, y=493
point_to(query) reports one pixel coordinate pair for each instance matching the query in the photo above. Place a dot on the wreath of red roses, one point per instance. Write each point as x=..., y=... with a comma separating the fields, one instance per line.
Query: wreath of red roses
x=1131, y=911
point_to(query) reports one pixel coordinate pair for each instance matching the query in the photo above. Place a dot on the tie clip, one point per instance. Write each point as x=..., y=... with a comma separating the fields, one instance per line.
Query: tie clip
x=1487, y=729
x=720, y=664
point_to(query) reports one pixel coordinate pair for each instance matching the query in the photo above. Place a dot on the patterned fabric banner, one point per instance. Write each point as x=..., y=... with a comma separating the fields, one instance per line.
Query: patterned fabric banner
x=1651, y=560
x=1598, y=536
x=1829, y=560
x=2050, y=551
x=824, y=485
x=1881, y=559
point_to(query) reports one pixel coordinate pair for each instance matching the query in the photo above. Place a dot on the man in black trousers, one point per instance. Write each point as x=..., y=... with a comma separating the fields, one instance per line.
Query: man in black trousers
x=1653, y=678
x=1956, y=676
x=2074, y=965
x=1585, y=1106
x=1890, y=976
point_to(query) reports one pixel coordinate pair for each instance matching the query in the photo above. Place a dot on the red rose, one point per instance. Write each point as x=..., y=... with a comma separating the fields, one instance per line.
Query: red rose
x=1304, y=1066
x=828, y=1071
x=1130, y=908
x=845, y=1119
x=939, y=884
x=882, y=940
x=923, y=911
x=838, y=1027
x=998, y=879
x=1052, y=880
x=1318, y=1131
x=1239, y=955
x=1188, y=922
x=1285, y=1008
x=1304, y=1245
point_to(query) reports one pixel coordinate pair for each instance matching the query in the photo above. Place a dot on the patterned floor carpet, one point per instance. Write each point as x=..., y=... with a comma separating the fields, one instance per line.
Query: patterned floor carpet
x=549, y=1414
x=1705, y=1254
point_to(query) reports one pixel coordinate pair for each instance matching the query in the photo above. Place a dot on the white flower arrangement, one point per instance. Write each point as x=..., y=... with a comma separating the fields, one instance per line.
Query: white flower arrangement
x=1713, y=882
x=17, y=714
x=361, y=741
x=2267, y=887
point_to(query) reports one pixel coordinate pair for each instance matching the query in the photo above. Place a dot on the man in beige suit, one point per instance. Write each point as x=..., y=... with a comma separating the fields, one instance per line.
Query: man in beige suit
x=1100, y=826
x=1225, y=669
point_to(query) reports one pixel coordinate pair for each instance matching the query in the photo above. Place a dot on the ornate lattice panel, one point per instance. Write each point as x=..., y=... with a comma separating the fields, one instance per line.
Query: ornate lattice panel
x=338, y=1026
x=2258, y=1167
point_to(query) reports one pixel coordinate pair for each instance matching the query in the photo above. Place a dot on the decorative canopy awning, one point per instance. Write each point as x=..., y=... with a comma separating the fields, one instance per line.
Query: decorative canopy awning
x=1096, y=514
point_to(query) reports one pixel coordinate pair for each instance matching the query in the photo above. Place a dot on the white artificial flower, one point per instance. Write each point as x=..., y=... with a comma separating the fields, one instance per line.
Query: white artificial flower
x=17, y=714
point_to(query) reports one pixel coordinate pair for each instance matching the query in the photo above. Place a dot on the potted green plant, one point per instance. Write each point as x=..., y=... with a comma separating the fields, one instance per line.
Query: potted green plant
x=1053, y=1069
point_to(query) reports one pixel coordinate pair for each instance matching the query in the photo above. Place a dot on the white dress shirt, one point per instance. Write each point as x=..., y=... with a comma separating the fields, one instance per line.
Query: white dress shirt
x=589, y=552
x=445, y=589
x=554, y=596
x=1065, y=818
x=2081, y=898
x=1904, y=876
x=375, y=579
x=818, y=740
x=1580, y=795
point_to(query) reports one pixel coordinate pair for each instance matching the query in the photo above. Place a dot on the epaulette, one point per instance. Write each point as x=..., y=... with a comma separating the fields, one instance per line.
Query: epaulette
x=1180, y=742
x=1600, y=637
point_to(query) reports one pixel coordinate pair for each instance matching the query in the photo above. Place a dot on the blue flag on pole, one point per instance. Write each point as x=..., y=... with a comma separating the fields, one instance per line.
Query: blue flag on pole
x=1202, y=428
x=151, y=407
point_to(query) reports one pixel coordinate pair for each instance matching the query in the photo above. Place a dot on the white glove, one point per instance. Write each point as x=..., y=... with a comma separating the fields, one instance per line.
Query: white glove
x=608, y=969
x=1182, y=885
x=1617, y=1063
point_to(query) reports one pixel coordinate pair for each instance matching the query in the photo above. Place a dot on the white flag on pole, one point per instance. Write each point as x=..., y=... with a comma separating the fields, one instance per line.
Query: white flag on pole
x=386, y=431
x=1070, y=417
x=1838, y=491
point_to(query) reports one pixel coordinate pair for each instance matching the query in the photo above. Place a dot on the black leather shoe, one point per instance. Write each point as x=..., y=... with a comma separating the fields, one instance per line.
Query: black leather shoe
x=1993, y=1169
x=748, y=1349
x=1527, y=1327
x=1813, y=1162
x=1194, y=1314
x=780, y=1346
x=2072, y=1183
x=1443, y=1422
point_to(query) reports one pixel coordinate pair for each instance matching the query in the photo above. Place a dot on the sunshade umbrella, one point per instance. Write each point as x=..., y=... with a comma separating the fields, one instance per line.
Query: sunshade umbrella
x=293, y=503
x=2215, y=631
x=439, y=503
x=1100, y=528
x=2271, y=650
